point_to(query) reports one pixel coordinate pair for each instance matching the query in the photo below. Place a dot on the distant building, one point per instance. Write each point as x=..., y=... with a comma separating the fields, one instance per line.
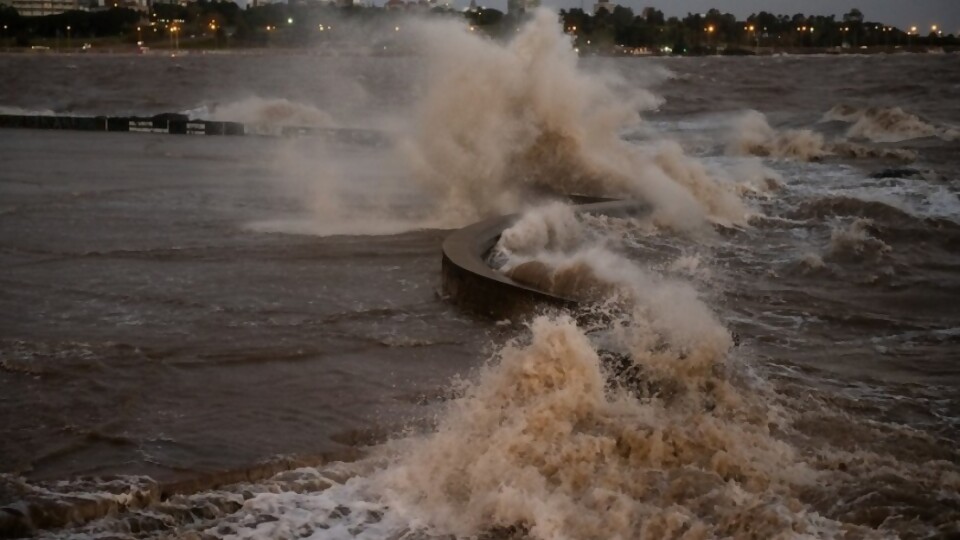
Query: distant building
x=38, y=8
x=516, y=7
x=139, y=5
x=602, y=5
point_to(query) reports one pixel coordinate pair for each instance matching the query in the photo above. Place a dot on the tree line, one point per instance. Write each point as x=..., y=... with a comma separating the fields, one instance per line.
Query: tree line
x=715, y=30
x=301, y=23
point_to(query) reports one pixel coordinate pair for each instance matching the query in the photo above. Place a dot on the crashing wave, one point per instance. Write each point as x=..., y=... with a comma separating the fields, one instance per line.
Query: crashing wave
x=494, y=132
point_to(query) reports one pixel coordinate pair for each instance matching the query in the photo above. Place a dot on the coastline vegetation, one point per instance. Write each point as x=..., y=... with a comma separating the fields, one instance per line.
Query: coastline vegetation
x=219, y=24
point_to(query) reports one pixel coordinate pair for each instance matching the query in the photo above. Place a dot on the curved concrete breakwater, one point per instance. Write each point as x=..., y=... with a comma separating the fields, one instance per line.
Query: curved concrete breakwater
x=471, y=283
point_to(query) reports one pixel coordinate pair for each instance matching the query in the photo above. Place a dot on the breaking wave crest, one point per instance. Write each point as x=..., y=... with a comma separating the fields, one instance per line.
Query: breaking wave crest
x=874, y=210
x=855, y=241
x=753, y=136
x=887, y=124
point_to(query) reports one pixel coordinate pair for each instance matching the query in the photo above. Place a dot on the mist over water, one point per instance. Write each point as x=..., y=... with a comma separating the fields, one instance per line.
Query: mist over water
x=769, y=352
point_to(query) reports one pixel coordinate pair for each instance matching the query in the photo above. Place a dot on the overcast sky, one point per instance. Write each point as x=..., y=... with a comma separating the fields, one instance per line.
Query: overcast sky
x=900, y=13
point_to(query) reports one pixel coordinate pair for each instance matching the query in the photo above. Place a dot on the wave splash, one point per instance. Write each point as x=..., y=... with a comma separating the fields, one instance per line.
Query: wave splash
x=648, y=428
x=520, y=120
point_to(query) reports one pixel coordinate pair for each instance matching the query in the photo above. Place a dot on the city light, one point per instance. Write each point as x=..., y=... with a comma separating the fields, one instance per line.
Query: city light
x=290, y=20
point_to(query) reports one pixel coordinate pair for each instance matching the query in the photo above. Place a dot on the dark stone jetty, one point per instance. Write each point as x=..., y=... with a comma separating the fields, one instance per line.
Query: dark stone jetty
x=469, y=282
x=179, y=124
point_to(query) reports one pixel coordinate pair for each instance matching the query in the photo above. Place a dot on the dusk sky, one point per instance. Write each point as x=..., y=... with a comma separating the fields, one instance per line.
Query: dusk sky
x=900, y=13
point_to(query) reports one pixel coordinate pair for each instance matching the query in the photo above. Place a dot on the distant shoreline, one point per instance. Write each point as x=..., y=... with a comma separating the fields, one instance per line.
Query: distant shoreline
x=123, y=50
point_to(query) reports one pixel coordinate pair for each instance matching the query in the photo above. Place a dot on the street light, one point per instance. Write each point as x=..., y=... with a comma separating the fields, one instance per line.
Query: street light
x=68, y=37
x=756, y=35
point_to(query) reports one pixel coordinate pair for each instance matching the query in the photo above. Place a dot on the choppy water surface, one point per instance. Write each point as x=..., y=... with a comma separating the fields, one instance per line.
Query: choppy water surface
x=773, y=351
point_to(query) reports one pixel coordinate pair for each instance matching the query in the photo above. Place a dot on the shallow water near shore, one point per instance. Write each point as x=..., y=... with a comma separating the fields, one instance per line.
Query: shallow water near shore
x=178, y=306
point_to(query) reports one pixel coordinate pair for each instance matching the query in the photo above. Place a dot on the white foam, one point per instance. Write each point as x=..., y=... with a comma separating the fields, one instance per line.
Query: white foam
x=264, y=111
x=17, y=111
